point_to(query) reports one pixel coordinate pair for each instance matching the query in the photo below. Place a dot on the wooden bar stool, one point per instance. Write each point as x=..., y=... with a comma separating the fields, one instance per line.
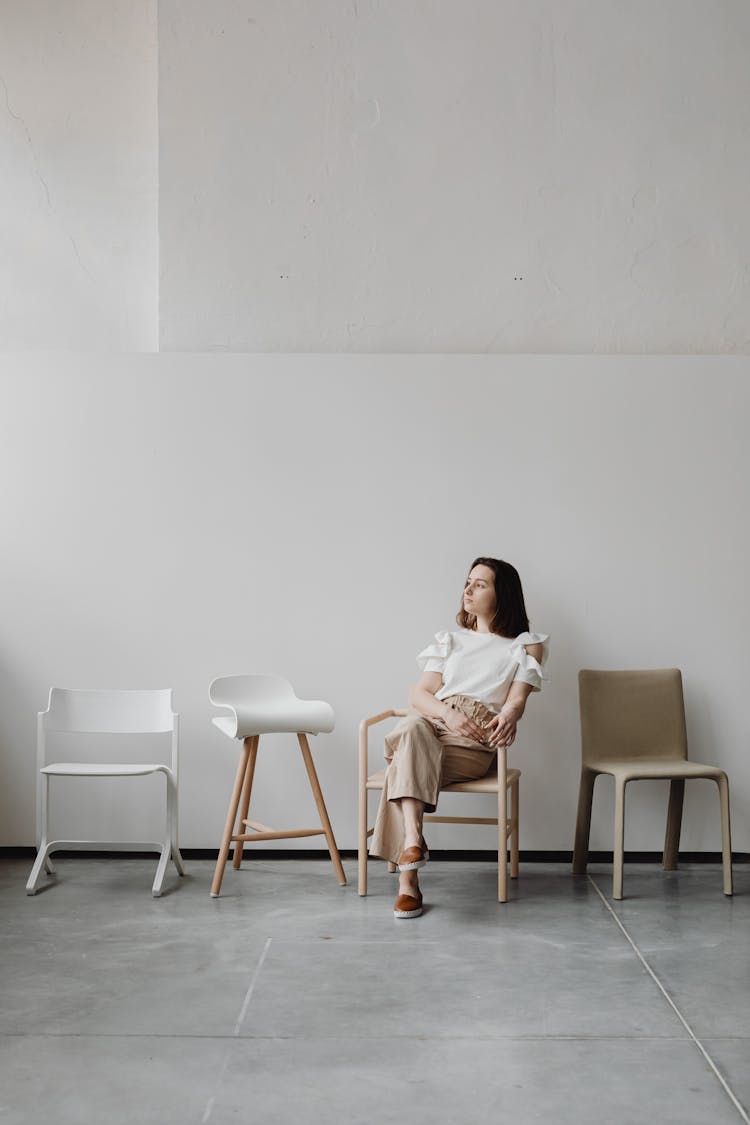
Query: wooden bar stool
x=266, y=705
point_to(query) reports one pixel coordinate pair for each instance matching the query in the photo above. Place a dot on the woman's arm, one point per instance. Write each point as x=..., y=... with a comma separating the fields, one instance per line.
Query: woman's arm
x=422, y=699
x=504, y=726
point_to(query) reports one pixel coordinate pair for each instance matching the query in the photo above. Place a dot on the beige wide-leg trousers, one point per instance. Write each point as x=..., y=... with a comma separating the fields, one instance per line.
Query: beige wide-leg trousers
x=422, y=756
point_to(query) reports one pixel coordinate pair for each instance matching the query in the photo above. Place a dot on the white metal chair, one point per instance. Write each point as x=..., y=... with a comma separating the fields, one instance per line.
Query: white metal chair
x=84, y=711
x=257, y=705
x=498, y=781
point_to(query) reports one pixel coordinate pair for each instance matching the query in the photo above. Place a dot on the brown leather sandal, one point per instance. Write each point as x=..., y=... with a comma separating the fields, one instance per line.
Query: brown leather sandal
x=408, y=906
x=412, y=858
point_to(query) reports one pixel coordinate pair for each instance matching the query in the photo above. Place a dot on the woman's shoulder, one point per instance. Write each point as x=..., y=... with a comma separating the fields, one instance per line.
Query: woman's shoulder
x=529, y=638
x=536, y=644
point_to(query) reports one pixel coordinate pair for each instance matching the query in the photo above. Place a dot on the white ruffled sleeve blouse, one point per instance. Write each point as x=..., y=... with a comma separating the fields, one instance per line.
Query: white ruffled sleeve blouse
x=483, y=665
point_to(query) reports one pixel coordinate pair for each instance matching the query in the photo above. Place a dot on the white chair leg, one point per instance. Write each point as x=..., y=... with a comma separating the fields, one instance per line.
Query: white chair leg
x=49, y=866
x=172, y=817
x=40, y=865
x=161, y=869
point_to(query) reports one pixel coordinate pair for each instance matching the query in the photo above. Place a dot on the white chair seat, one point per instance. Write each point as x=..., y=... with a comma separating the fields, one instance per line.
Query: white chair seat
x=103, y=769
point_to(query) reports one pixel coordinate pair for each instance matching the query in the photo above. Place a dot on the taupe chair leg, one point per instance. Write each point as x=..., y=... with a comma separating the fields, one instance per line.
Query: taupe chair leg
x=618, y=853
x=583, y=821
x=726, y=835
x=234, y=801
x=674, y=823
x=502, y=841
x=322, y=811
x=391, y=866
x=247, y=788
x=514, y=833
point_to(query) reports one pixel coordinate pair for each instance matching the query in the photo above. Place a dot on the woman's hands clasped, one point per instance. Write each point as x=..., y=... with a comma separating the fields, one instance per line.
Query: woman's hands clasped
x=501, y=731
x=459, y=723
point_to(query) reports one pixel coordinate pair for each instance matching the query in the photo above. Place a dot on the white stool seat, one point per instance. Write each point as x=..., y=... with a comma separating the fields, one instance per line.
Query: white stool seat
x=266, y=705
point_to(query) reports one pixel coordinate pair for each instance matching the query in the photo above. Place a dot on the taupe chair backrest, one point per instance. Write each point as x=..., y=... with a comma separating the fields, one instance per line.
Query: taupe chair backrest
x=632, y=714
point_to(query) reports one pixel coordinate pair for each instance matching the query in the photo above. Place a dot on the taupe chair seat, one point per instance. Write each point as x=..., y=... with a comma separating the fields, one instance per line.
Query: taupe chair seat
x=636, y=769
x=633, y=728
x=499, y=780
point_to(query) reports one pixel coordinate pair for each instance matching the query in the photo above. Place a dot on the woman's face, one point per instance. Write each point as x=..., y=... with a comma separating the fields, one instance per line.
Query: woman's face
x=479, y=593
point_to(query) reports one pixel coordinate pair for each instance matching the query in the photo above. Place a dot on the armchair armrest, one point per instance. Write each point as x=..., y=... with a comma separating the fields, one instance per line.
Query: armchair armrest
x=364, y=727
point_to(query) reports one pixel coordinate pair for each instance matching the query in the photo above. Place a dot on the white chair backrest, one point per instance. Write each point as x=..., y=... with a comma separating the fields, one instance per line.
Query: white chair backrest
x=227, y=691
x=111, y=712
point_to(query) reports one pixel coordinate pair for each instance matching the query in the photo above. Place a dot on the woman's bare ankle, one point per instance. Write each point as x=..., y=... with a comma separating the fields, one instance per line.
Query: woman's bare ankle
x=408, y=882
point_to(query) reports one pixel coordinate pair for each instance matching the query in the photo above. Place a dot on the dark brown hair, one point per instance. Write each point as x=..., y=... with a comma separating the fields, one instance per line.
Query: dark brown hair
x=510, y=613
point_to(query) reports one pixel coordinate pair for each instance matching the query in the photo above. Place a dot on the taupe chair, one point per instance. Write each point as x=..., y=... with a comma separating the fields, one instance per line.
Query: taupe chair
x=633, y=727
x=498, y=781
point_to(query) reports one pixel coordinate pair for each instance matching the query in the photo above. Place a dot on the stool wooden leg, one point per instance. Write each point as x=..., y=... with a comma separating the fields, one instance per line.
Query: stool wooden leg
x=231, y=819
x=514, y=833
x=323, y=812
x=245, y=800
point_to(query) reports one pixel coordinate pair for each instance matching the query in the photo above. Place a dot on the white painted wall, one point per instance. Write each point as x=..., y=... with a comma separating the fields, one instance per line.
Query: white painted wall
x=429, y=176
x=169, y=518
x=78, y=175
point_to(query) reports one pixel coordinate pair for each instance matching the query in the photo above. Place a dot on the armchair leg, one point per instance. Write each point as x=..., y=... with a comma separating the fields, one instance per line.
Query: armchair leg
x=247, y=789
x=674, y=823
x=583, y=821
x=502, y=833
x=726, y=836
x=322, y=811
x=362, y=845
x=231, y=820
x=618, y=853
x=514, y=832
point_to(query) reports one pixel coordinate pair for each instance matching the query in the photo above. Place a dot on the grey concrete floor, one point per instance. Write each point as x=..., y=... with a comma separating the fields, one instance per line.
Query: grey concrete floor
x=290, y=999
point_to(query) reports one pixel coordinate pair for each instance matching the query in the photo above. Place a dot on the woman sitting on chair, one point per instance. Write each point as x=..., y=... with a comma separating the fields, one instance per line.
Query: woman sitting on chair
x=472, y=693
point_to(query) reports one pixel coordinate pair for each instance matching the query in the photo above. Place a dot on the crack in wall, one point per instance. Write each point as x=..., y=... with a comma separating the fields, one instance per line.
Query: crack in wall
x=24, y=126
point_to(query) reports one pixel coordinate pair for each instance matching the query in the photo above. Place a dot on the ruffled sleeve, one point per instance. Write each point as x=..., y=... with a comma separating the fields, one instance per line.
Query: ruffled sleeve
x=433, y=658
x=529, y=669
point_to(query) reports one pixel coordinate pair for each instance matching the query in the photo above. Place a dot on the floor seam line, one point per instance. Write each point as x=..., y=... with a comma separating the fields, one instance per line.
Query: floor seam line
x=237, y=1028
x=725, y=1085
